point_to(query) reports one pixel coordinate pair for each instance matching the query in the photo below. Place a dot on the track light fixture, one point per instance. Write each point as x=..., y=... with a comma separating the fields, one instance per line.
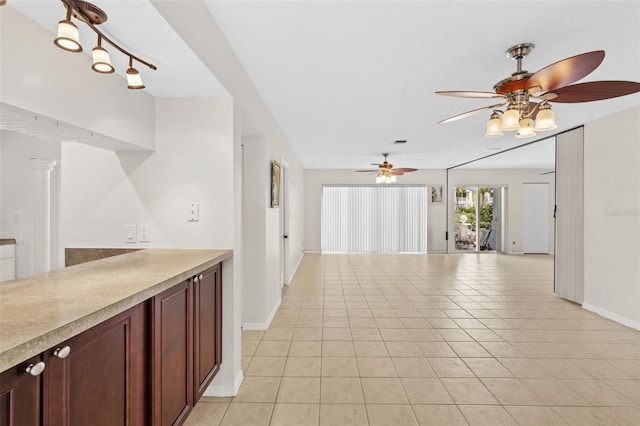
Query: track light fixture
x=101, y=60
x=68, y=39
x=68, y=36
x=134, y=81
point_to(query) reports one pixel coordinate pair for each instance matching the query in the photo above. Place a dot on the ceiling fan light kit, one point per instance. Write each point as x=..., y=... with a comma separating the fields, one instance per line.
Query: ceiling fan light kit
x=386, y=173
x=68, y=39
x=527, y=96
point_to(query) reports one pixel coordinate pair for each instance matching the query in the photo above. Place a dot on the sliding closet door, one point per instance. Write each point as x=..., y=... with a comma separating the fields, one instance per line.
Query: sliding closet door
x=569, y=250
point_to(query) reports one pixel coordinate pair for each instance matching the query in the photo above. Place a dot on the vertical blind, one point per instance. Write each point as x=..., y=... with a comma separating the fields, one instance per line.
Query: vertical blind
x=374, y=219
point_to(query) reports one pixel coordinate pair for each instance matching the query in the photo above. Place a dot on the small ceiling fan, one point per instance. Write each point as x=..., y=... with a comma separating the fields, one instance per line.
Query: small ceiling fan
x=385, y=172
x=528, y=95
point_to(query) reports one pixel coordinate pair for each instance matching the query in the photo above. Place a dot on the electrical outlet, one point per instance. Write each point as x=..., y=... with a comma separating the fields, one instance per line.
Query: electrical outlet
x=131, y=234
x=144, y=233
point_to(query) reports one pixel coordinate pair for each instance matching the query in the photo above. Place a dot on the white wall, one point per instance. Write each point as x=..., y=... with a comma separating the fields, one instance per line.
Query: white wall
x=197, y=159
x=263, y=233
x=257, y=304
x=102, y=191
x=314, y=179
x=16, y=191
x=436, y=213
x=513, y=179
x=612, y=217
x=36, y=76
x=193, y=22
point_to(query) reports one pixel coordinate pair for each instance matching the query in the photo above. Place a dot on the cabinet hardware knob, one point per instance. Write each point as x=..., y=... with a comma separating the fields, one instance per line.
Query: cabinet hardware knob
x=200, y=276
x=35, y=369
x=195, y=279
x=62, y=352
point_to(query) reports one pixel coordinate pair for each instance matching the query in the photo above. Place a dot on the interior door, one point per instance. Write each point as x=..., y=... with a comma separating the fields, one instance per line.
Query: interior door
x=535, y=217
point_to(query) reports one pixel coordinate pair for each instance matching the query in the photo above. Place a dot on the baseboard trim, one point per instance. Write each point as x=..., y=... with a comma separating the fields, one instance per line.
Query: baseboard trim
x=263, y=325
x=293, y=273
x=612, y=316
x=224, y=391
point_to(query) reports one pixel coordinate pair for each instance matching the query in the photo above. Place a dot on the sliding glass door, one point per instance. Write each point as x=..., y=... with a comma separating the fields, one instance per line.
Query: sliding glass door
x=374, y=219
x=476, y=219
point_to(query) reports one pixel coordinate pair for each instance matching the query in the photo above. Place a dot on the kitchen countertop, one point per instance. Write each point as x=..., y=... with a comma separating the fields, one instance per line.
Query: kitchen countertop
x=7, y=241
x=46, y=309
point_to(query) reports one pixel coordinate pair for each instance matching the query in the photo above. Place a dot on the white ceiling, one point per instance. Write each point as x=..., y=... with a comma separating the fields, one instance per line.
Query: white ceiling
x=346, y=78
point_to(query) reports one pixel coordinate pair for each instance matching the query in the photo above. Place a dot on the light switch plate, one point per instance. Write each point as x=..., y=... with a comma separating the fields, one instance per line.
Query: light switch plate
x=194, y=212
x=144, y=233
x=131, y=236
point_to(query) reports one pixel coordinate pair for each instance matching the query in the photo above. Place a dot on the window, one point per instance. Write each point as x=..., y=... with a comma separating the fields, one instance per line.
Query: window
x=374, y=219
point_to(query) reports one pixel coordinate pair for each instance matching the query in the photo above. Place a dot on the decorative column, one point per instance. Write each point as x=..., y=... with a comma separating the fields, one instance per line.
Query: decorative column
x=41, y=213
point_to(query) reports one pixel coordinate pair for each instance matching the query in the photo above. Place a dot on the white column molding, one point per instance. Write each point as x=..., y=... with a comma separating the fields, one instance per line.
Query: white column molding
x=41, y=202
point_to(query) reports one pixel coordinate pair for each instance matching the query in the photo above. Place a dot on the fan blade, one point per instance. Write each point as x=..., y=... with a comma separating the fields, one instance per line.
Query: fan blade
x=404, y=170
x=470, y=94
x=365, y=171
x=594, y=91
x=566, y=71
x=469, y=113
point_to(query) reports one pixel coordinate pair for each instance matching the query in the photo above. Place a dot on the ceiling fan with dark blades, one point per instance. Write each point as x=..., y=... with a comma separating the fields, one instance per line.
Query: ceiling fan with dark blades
x=385, y=173
x=527, y=96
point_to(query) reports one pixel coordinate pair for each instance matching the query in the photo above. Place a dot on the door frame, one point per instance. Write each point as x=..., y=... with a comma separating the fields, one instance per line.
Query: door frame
x=502, y=225
x=284, y=222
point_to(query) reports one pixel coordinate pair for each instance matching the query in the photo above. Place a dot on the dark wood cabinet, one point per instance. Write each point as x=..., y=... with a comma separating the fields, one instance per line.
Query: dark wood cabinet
x=207, y=333
x=172, y=355
x=148, y=365
x=102, y=380
x=21, y=396
x=186, y=345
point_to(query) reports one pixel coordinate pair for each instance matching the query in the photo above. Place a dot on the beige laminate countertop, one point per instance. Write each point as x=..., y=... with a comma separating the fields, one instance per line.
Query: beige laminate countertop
x=46, y=309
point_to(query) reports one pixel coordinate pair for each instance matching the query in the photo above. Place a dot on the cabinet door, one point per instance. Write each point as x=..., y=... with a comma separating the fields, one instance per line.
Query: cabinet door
x=21, y=396
x=172, y=355
x=102, y=381
x=207, y=328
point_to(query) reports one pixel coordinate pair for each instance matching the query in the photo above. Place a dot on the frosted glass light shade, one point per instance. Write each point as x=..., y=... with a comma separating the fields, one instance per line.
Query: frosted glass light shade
x=545, y=120
x=134, y=81
x=526, y=129
x=494, y=127
x=511, y=120
x=68, y=37
x=393, y=179
x=101, y=61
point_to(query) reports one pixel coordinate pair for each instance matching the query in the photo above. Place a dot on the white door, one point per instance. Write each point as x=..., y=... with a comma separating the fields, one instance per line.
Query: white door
x=535, y=217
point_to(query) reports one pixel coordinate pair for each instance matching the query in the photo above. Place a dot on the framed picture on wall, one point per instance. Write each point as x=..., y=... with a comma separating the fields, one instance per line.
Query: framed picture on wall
x=436, y=194
x=276, y=170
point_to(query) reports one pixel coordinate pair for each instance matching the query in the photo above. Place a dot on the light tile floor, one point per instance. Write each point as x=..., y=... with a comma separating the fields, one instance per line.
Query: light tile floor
x=432, y=340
